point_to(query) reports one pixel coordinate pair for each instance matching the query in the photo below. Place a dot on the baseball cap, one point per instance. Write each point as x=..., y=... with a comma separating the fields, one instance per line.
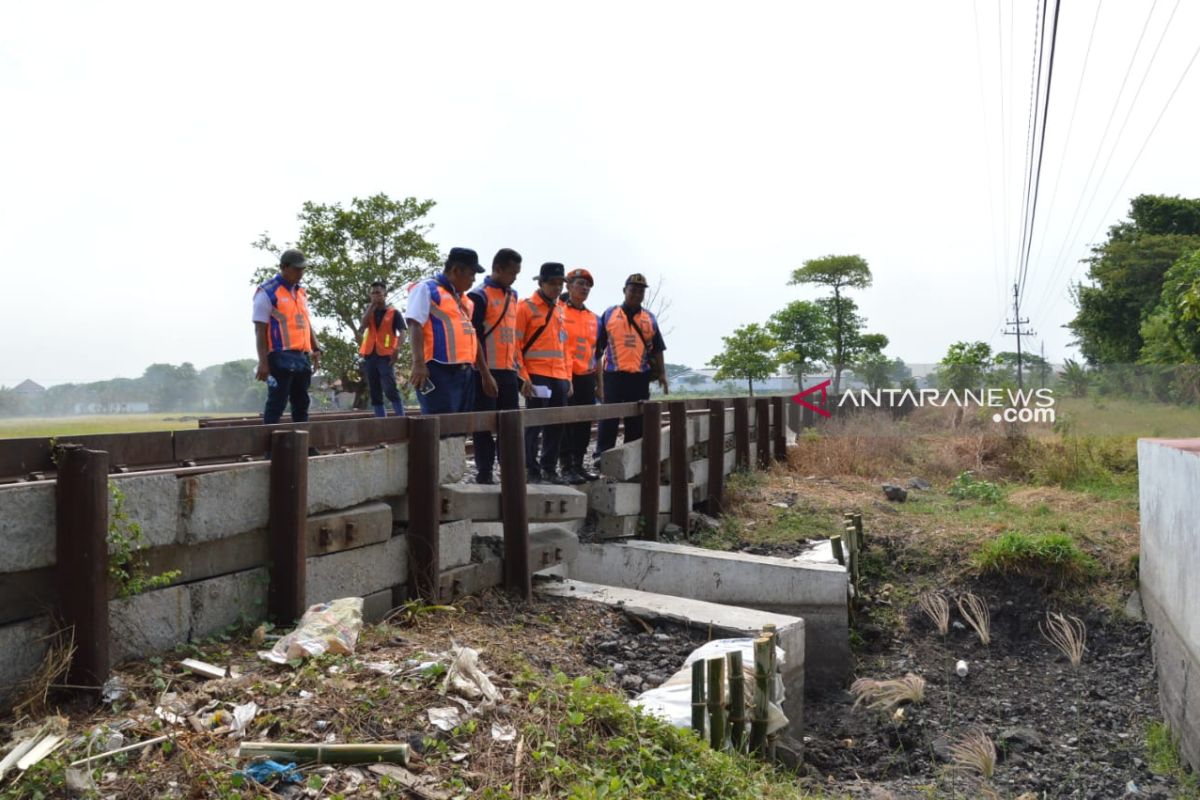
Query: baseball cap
x=636, y=279
x=579, y=272
x=465, y=256
x=292, y=258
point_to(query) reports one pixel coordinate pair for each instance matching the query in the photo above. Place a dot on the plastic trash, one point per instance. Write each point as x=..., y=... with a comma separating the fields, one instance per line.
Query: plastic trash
x=446, y=718
x=466, y=678
x=673, y=700
x=960, y=669
x=265, y=772
x=331, y=627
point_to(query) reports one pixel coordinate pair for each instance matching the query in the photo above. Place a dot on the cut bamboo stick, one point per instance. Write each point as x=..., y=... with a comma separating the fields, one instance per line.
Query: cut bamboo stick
x=758, y=724
x=699, y=707
x=716, y=703
x=858, y=531
x=119, y=750
x=838, y=553
x=394, y=752
x=772, y=668
x=737, y=699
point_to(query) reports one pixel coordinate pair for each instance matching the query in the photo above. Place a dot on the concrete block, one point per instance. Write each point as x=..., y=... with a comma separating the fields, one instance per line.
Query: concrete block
x=22, y=647
x=376, y=606
x=624, y=462
x=220, y=602
x=1178, y=685
x=453, y=459
x=149, y=623
x=349, y=528
x=359, y=572
x=214, y=505
x=454, y=543
x=620, y=499
x=151, y=501
x=816, y=592
x=615, y=527
x=488, y=544
x=347, y=479
x=543, y=502
x=724, y=620
x=26, y=527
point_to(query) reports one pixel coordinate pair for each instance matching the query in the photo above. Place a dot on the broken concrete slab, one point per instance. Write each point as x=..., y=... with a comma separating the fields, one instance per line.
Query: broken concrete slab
x=722, y=619
x=348, y=479
x=357, y=573
x=609, y=526
x=624, y=462
x=621, y=499
x=559, y=541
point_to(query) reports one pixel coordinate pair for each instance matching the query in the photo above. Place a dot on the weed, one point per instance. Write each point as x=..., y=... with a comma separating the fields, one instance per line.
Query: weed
x=1053, y=558
x=967, y=487
x=1066, y=633
x=126, y=563
x=885, y=695
x=1162, y=753
x=937, y=608
x=974, y=752
x=975, y=611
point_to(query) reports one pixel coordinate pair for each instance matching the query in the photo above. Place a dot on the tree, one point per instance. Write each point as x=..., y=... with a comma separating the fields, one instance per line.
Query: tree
x=1126, y=275
x=1076, y=377
x=234, y=381
x=749, y=355
x=964, y=366
x=376, y=238
x=805, y=332
x=875, y=370
x=839, y=273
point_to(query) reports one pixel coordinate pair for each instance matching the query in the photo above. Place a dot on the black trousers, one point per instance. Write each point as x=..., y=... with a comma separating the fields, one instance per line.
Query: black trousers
x=507, y=398
x=549, y=435
x=576, y=435
x=622, y=387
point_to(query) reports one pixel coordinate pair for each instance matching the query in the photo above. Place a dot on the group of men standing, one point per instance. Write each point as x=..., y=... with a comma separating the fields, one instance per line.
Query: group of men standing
x=482, y=348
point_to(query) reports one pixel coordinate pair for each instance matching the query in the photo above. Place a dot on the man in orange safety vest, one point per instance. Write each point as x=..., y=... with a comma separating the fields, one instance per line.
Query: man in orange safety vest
x=383, y=333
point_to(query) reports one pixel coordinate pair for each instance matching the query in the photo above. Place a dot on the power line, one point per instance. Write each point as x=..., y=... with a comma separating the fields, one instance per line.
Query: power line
x=987, y=148
x=1004, y=153
x=1042, y=144
x=1035, y=82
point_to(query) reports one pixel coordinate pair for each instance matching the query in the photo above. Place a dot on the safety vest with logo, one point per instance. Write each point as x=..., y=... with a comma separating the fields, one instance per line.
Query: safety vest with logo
x=582, y=329
x=499, y=323
x=629, y=343
x=547, y=355
x=289, y=326
x=449, y=334
x=381, y=340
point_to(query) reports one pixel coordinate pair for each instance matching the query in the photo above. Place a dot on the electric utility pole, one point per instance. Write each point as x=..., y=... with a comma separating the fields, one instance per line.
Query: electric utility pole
x=1018, y=331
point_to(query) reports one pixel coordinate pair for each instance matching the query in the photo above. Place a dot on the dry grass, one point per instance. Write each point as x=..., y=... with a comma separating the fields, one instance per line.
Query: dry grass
x=975, y=611
x=33, y=698
x=937, y=608
x=886, y=695
x=1067, y=633
x=974, y=752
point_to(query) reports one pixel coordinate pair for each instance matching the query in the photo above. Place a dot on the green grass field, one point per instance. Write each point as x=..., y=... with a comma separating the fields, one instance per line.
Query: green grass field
x=1108, y=416
x=20, y=427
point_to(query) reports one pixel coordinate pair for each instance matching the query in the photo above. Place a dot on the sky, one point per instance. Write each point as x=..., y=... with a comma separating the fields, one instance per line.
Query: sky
x=712, y=147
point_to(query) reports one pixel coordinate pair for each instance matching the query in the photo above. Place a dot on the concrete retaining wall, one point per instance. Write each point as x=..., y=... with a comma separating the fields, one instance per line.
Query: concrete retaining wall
x=1168, y=479
x=815, y=592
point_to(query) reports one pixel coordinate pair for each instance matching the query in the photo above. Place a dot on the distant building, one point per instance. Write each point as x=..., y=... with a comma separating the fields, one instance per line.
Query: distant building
x=28, y=388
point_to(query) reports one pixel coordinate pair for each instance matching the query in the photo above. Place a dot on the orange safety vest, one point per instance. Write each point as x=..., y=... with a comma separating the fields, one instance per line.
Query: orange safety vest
x=449, y=334
x=289, y=327
x=628, y=347
x=582, y=328
x=381, y=341
x=499, y=324
x=548, y=354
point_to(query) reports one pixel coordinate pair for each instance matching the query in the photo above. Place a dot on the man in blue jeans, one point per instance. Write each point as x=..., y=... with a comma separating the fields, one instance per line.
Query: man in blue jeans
x=383, y=333
x=283, y=335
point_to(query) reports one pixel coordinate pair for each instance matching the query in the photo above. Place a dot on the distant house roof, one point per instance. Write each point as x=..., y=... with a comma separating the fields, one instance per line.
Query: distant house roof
x=28, y=387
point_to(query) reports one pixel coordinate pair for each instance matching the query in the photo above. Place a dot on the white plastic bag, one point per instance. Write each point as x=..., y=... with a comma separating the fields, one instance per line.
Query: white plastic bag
x=673, y=700
x=331, y=627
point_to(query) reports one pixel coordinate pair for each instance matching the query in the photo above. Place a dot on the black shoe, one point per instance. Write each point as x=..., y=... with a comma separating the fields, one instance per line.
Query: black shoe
x=573, y=478
x=587, y=475
x=533, y=475
x=485, y=479
x=552, y=476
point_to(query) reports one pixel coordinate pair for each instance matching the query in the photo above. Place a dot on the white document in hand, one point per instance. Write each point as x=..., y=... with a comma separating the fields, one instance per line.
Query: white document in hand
x=541, y=391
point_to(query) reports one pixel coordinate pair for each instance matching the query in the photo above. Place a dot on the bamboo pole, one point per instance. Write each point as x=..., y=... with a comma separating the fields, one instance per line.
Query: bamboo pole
x=839, y=554
x=737, y=700
x=394, y=752
x=699, y=707
x=773, y=667
x=858, y=531
x=716, y=703
x=762, y=664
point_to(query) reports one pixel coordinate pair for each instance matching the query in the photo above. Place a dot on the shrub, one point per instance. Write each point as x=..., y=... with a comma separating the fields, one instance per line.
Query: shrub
x=967, y=487
x=1054, y=558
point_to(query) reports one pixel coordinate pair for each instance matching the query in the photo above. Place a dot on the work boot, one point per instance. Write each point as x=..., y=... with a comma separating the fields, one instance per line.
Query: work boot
x=533, y=475
x=552, y=476
x=485, y=479
x=572, y=477
x=587, y=475
x=379, y=410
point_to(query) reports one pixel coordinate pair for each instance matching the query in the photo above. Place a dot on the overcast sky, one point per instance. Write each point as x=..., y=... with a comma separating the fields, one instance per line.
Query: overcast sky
x=713, y=147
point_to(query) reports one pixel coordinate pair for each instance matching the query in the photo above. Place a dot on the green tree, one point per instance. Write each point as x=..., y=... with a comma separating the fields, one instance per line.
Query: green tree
x=750, y=354
x=1076, y=378
x=964, y=366
x=805, y=333
x=838, y=273
x=233, y=382
x=874, y=369
x=1126, y=275
x=376, y=238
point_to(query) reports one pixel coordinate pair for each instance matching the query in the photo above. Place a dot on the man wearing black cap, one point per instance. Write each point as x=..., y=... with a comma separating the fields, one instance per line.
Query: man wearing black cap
x=629, y=351
x=444, y=345
x=283, y=335
x=545, y=367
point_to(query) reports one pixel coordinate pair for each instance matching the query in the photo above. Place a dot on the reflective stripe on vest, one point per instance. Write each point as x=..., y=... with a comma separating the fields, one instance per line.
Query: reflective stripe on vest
x=289, y=324
x=582, y=328
x=500, y=347
x=548, y=354
x=449, y=334
x=380, y=341
x=626, y=351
